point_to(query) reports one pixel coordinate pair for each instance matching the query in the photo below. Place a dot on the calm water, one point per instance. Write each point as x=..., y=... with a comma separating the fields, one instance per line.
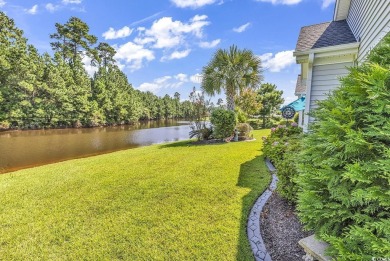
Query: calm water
x=22, y=149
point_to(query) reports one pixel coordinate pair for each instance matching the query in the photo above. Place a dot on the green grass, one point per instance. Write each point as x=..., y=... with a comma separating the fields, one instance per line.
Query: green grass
x=161, y=202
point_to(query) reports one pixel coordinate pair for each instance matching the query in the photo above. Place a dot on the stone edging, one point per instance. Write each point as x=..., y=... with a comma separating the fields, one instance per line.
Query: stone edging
x=253, y=225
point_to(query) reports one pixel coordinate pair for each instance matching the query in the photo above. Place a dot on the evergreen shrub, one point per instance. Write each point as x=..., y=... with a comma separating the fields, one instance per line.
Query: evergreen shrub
x=344, y=169
x=245, y=131
x=281, y=147
x=255, y=124
x=241, y=116
x=224, y=122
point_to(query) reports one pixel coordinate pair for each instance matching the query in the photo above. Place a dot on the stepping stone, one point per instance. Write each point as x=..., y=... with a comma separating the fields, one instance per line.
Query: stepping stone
x=314, y=248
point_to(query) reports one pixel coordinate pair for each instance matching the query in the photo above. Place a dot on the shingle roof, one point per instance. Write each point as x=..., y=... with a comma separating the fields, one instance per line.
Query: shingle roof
x=300, y=88
x=324, y=35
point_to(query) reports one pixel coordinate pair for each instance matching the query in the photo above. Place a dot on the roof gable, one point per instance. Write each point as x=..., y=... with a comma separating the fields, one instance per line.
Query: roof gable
x=324, y=35
x=300, y=87
x=341, y=10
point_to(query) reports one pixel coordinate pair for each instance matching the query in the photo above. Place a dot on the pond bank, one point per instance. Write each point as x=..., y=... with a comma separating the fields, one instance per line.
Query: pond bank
x=28, y=148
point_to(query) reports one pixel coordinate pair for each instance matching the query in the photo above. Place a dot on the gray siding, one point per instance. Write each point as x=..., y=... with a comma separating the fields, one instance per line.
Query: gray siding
x=326, y=78
x=369, y=21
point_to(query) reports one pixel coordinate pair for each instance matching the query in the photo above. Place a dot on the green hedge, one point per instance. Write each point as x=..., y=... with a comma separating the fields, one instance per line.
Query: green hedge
x=344, y=170
x=281, y=147
x=224, y=122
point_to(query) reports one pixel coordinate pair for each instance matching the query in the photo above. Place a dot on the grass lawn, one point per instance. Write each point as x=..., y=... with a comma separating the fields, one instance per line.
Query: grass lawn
x=161, y=202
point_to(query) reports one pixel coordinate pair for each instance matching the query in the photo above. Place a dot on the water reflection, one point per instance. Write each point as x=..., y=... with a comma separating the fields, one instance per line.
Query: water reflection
x=21, y=149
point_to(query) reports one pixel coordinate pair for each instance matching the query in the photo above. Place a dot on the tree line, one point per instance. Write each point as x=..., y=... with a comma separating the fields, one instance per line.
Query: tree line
x=44, y=91
x=51, y=91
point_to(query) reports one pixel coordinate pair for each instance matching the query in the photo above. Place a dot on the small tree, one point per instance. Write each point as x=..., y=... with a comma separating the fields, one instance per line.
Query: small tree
x=199, y=113
x=270, y=99
x=224, y=122
x=248, y=102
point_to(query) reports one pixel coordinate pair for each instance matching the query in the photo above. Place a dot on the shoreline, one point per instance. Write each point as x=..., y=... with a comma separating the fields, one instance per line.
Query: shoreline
x=89, y=127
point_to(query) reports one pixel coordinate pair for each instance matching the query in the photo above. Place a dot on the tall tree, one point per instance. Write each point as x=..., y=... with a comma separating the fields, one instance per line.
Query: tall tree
x=270, y=99
x=177, y=105
x=105, y=55
x=14, y=61
x=73, y=39
x=233, y=71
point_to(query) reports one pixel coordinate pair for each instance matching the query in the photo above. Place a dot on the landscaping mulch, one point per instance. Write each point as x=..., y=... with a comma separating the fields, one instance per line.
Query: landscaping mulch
x=216, y=141
x=281, y=230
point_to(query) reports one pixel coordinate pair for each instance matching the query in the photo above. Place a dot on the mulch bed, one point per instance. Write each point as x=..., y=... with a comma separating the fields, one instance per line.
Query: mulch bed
x=202, y=142
x=215, y=141
x=281, y=230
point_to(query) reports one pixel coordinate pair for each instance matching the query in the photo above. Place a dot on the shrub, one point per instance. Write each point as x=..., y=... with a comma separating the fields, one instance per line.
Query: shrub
x=275, y=120
x=241, y=116
x=224, y=122
x=201, y=133
x=245, y=131
x=4, y=125
x=296, y=117
x=255, y=124
x=345, y=167
x=281, y=147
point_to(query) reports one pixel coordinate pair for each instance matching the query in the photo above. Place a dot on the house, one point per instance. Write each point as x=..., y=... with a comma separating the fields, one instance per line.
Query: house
x=326, y=50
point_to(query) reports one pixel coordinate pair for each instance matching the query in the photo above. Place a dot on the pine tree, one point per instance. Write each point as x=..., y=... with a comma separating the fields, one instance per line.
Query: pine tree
x=73, y=40
x=270, y=99
x=14, y=86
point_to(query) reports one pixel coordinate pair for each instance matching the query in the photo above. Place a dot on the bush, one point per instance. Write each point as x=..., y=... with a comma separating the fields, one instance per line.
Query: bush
x=245, y=131
x=255, y=124
x=275, y=120
x=224, y=122
x=345, y=167
x=282, y=147
x=296, y=117
x=202, y=133
x=241, y=116
x=4, y=125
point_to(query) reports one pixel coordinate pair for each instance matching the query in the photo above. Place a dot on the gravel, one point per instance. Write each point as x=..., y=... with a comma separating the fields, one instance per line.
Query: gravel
x=281, y=230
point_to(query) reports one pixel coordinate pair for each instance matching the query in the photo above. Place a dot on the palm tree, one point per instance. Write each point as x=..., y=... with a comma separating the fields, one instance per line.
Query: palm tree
x=233, y=71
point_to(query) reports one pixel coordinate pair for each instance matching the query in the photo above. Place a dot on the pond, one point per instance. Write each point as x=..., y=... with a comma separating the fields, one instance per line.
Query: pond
x=28, y=148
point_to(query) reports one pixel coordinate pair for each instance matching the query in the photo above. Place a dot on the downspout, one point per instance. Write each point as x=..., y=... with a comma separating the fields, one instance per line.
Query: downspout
x=308, y=91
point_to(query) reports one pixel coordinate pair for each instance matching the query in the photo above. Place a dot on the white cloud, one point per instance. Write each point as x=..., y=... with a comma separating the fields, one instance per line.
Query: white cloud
x=241, y=28
x=121, y=33
x=181, y=77
x=33, y=10
x=143, y=41
x=88, y=67
x=134, y=55
x=192, y=3
x=211, y=44
x=51, y=7
x=166, y=33
x=149, y=87
x=2, y=3
x=172, y=36
x=66, y=2
x=169, y=82
x=289, y=99
x=196, y=78
x=277, y=62
x=283, y=2
x=177, y=55
x=327, y=3
x=157, y=84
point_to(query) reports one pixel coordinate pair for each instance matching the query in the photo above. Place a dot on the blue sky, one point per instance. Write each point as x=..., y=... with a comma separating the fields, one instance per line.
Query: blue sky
x=162, y=45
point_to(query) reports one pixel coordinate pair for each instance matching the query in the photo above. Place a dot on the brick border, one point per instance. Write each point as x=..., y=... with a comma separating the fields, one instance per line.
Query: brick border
x=253, y=225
